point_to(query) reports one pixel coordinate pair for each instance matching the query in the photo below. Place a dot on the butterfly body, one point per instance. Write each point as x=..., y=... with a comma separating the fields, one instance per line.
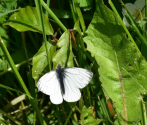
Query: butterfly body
x=60, y=76
x=64, y=83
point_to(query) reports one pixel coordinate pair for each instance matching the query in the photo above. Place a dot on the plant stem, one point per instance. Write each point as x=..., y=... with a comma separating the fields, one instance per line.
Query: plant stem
x=10, y=117
x=25, y=49
x=68, y=117
x=80, y=15
x=143, y=110
x=53, y=15
x=48, y=4
x=145, y=14
x=133, y=23
x=39, y=9
x=72, y=11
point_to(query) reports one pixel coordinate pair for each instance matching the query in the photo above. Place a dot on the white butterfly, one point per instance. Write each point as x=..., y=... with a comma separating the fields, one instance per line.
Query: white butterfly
x=64, y=83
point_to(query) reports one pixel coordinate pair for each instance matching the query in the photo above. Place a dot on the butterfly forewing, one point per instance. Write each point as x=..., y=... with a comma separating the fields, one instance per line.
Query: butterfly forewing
x=75, y=78
x=78, y=77
x=45, y=83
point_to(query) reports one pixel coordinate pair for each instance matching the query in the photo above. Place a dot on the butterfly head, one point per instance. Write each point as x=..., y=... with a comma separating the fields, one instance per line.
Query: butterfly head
x=59, y=66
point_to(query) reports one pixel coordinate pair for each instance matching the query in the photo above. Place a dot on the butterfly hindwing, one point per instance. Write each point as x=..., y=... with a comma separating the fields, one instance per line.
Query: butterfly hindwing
x=72, y=93
x=56, y=96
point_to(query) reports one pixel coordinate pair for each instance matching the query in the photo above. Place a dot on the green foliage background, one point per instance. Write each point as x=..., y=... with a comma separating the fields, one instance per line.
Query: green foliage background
x=35, y=38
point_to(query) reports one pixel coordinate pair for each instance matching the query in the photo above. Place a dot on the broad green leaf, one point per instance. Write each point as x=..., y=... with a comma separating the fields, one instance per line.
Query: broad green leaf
x=26, y=19
x=87, y=117
x=40, y=59
x=64, y=55
x=123, y=71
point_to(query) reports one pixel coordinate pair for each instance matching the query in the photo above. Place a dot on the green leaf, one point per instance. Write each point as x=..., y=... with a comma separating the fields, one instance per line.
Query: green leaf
x=123, y=71
x=40, y=59
x=26, y=19
x=87, y=117
x=64, y=55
